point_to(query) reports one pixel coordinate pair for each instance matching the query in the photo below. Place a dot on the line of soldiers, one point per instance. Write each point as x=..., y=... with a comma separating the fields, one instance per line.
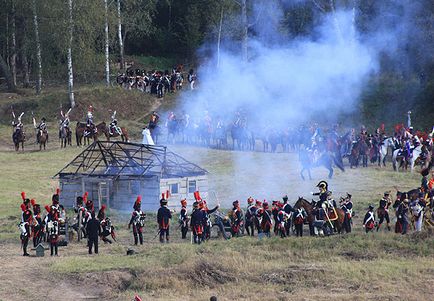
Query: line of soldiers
x=34, y=225
x=412, y=208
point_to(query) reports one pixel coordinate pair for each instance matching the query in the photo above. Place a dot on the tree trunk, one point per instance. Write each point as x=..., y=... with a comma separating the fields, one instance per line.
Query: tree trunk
x=336, y=22
x=26, y=70
x=107, y=61
x=219, y=37
x=245, y=28
x=38, y=50
x=70, y=71
x=13, y=58
x=4, y=69
x=121, y=42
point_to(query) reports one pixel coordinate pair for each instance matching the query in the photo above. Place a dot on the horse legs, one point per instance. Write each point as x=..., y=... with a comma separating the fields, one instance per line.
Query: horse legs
x=311, y=229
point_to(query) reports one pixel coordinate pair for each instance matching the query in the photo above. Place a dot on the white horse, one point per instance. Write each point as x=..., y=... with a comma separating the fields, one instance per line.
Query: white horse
x=383, y=150
x=414, y=155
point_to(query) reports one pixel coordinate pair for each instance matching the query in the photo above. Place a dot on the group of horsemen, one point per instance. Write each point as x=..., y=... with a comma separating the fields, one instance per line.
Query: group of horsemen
x=64, y=125
x=411, y=208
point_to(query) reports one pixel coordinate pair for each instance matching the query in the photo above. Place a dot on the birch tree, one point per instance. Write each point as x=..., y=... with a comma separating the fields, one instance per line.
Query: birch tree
x=107, y=54
x=121, y=41
x=13, y=58
x=38, y=49
x=70, y=70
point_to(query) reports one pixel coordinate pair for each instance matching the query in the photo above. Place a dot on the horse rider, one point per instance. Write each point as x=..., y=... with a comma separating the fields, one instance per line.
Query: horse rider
x=383, y=210
x=90, y=126
x=114, y=128
x=369, y=220
x=138, y=221
x=323, y=194
x=192, y=79
x=18, y=126
x=64, y=121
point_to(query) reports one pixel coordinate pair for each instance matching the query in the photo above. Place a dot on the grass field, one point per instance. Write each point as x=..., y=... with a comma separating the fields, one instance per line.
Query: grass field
x=348, y=267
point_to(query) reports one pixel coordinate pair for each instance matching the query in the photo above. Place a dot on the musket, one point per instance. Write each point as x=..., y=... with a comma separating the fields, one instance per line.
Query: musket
x=158, y=233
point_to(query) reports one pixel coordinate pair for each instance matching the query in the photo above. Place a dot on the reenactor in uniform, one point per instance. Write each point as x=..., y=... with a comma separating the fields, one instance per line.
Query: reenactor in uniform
x=41, y=127
x=383, y=210
x=287, y=208
x=369, y=220
x=347, y=207
x=274, y=211
x=236, y=219
x=107, y=228
x=402, y=212
x=37, y=228
x=90, y=126
x=114, y=128
x=93, y=229
x=250, y=214
x=163, y=218
x=282, y=219
x=25, y=224
x=206, y=218
x=138, y=221
x=323, y=193
x=52, y=229
x=196, y=223
x=183, y=219
x=266, y=221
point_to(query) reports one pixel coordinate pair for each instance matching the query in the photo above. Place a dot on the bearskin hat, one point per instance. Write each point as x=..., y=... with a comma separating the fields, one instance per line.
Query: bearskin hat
x=250, y=200
x=195, y=204
x=236, y=203
x=23, y=195
x=33, y=202
x=349, y=196
x=322, y=184
x=89, y=205
x=285, y=198
x=258, y=203
x=79, y=201
x=265, y=204
x=197, y=196
x=36, y=209
x=371, y=207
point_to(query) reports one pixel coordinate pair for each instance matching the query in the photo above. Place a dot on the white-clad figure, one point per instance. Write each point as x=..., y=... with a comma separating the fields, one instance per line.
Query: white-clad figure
x=147, y=139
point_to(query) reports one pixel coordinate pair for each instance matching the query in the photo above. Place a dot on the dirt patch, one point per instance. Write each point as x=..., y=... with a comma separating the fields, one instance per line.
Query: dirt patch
x=310, y=276
x=210, y=274
x=352, y=255
x=116, y=280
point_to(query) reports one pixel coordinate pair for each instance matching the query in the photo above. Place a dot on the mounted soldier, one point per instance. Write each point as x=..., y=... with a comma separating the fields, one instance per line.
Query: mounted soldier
x=323, y=194
x=18, y=135
x=138, y=218
x=41, y=128
x=90, y=126
x=113, y=127
x=64, y=128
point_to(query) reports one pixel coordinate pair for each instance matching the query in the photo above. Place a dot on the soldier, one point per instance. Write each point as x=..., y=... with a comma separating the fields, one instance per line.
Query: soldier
x=287, y=208
x=206, y=218
x=274, y=211
x=282, y=220
x=114, y=128
x=107, y=228
x=52, y=229
x=183, y=219
x=163, y=218
x=236, y=219
x=37, y=228
x=18, y=126
x=196, y=223
x=138, y=221
x=41, y=127
x=347, y=207
x=417, y=208
x=250, y=215
x=90, y=126
x=402, y=212
x=323, y=193
x=369, y=220
x=396, y=205
x=266, y=222
x=25, y=224
x=300, y=216
x=383, y=210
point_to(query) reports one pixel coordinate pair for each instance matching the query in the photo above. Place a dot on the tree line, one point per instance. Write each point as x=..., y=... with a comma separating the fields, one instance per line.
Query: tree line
x=84, y=40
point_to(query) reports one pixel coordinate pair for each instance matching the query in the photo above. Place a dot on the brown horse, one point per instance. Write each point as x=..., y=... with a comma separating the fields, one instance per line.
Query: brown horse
x=65, y=136
x=79, y=134
x=18, y=137
x=42, y=138
x=309, y=208
x=102, y=128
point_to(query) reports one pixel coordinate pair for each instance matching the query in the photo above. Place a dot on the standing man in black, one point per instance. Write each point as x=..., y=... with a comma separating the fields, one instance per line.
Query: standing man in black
x=93, y=230
x=163, y=218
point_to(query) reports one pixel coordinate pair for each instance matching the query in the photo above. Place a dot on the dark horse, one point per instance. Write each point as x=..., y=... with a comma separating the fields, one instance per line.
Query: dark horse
x=79, y=133
x=102, y=128
x=42, y=138
x=65, y=136
x=242, y=138
x=324, y=159
x=309, y=208
x=18, y=137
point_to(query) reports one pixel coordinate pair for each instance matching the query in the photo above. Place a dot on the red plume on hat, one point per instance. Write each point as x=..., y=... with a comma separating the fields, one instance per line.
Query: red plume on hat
x=163, y=196
x=167, y=194
x=23, y=195
x=197, y=196
x=139, y=199
x=47, y=208
x=103, y=207
x=23, y=207
x=33, y=202
x=85, y=196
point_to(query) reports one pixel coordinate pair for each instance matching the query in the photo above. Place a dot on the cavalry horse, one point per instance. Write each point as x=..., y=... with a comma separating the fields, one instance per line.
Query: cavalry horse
x=79, y=133
x=65, y=136
x=359, y=151
x=18, y=137
x=335, y=222
x=102, y=128
x=384, y=149
x=42, y=137
x=401, y=158
x=324, y=159
x=242, y=138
